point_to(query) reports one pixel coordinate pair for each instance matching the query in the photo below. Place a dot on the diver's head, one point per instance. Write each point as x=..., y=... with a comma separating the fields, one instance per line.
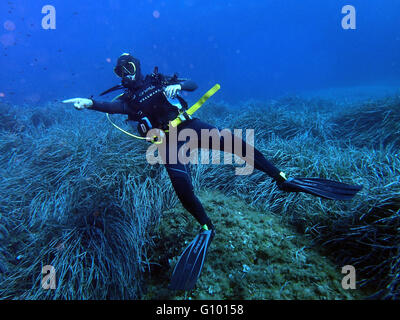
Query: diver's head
x=128, y=69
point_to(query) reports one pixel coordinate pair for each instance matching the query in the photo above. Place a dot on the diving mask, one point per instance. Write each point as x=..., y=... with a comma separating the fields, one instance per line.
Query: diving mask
x=128, y=69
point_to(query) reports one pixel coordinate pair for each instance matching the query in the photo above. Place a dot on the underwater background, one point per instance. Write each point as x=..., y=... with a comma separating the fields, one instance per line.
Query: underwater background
x=255, y=49
x=79, y=195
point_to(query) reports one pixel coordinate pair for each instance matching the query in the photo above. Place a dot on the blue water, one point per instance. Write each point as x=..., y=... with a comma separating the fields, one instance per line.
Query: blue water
x=254, y=49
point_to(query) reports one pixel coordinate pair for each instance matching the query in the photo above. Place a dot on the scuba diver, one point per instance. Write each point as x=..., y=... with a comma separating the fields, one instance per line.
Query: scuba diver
x=153, y=101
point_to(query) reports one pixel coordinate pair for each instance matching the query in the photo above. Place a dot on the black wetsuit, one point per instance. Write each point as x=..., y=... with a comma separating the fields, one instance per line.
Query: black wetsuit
x=149, y=100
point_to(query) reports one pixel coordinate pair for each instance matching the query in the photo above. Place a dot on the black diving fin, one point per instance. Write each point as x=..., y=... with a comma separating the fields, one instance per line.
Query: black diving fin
x=327, y=189
x=190, y=263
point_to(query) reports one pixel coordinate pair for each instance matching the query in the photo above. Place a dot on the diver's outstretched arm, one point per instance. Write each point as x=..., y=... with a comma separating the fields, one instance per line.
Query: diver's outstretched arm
x=118, y=106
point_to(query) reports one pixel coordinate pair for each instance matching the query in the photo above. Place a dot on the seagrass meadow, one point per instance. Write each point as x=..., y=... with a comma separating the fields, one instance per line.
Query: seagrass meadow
x=80, y=196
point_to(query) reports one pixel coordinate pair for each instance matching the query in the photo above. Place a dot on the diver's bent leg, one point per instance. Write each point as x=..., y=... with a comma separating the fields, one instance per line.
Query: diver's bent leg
x=262, y=164
x=182, y=183
x=258, y=159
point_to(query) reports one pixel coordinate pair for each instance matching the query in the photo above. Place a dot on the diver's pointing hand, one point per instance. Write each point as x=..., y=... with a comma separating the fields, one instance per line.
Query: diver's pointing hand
x=80, y=103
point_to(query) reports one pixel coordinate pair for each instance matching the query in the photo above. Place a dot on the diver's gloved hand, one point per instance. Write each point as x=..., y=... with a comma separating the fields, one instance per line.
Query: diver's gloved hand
x=80, y=103
x=172, y=90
